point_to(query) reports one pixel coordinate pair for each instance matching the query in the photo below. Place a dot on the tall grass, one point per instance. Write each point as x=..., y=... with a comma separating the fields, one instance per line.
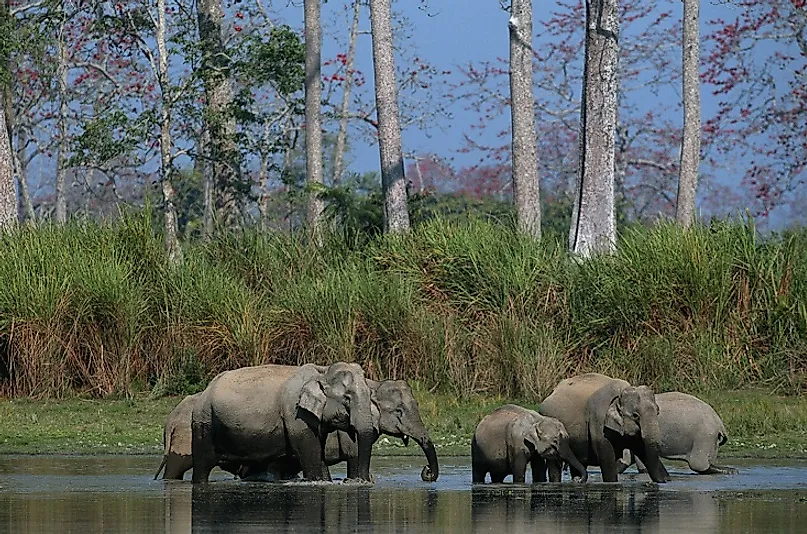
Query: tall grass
x=465, y=307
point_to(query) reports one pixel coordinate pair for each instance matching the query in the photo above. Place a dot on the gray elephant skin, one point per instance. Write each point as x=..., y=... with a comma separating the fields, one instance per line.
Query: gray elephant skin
x=397, y=416
x=510, y=437
x=605, y=416
x=691, y=431
x=255, y=414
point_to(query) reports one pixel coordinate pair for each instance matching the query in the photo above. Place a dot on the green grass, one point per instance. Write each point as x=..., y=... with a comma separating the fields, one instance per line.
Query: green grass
x=760, y=425
x=464, y=308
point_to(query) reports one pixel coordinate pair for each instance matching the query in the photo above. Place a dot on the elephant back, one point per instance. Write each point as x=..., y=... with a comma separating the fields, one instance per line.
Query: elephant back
x=681, y=414
x=567, y=402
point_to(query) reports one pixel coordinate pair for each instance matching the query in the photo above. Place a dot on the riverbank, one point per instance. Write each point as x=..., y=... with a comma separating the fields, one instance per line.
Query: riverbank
x=760, y=425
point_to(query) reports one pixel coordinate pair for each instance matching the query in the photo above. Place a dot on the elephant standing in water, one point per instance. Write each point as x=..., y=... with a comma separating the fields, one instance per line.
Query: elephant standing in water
x=510, y=437
x=397, y=415
x=604, y=416
x=252, y=415
x=691, y=431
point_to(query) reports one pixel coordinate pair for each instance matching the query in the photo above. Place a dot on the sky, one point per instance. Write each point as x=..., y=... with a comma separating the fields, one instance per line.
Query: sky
x=451, y=33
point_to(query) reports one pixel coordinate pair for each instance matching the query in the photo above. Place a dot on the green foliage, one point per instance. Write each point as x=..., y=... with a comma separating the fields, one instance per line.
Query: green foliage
x=110, y=136
x=278, y=59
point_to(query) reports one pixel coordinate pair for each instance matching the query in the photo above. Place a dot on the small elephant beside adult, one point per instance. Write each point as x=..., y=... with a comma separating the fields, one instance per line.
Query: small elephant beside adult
x=394, y=407
x=604, y=416
x=255, y=414
x=510, y=437
x=691, y=431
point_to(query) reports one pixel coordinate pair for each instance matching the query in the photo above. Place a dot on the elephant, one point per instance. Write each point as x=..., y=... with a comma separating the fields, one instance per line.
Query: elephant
x=512, y=436
x=604, y=416
x=691, y=431
x=398, y=416
x=255, y=414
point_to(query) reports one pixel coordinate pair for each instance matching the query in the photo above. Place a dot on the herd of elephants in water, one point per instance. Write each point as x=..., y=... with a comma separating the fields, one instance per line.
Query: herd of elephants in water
x=272, y=422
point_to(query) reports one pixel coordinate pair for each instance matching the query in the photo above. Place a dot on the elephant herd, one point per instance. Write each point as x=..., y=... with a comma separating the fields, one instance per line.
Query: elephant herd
x=271, y=422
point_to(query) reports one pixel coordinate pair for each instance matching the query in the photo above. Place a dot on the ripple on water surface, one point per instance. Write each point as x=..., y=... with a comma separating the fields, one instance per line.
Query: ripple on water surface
x=117, y=494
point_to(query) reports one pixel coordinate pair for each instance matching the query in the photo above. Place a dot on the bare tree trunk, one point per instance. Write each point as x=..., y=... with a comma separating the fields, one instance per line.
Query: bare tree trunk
x=60, y=212
x=341, y=136
x=526, y=189
x=166, y=159
x=202, y=166
x=393, y=181
x=691, y=143
x=8, y=196
x=593, y=226
x=220, y=122
x=26, y=205
x=313, y=128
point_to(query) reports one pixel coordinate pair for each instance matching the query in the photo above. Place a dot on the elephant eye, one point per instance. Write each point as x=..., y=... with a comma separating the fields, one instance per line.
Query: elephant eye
x=635, y=415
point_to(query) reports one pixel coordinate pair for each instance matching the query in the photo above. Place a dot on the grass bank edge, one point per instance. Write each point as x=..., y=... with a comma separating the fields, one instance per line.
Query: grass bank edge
x=760, y=425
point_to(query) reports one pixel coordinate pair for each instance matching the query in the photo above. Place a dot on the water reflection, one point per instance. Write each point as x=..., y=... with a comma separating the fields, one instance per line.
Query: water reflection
x=117, y=495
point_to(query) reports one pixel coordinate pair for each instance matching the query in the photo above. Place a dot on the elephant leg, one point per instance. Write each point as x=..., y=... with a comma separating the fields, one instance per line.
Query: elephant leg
x=204, y=455
x=479, y=471
x=640, y=466
x=519, y=469
x=309, y=450
x=538, y=466
x=605, y=454
x=176, y=466
x=625, y=461
x=555, y=470
x=352, y=467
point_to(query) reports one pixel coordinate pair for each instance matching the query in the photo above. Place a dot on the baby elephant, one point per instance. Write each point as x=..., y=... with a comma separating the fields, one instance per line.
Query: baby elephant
x=512, y=436
x=690, y=430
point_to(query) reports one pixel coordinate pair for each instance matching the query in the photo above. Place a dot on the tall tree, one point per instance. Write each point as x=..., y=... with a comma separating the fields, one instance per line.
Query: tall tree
x=393, y=181
x=8, y=196
x=220, y=123
x=593, y=227
x=344, y=110
x=60, y=211
x=526, y=189
x=166, y=156
x=691, y=142
x=313, y=128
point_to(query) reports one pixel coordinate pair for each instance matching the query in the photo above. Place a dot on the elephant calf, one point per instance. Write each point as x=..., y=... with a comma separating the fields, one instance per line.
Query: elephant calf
x=510, y=437
x=690, y=430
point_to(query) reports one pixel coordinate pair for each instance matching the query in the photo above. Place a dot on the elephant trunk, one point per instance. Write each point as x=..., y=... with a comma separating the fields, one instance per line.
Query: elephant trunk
x=569, y=457
x=432, y=470
x=651, y=437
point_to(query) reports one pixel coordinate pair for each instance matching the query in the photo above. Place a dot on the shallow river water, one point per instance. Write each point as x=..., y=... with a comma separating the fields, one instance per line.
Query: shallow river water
x=117, y=494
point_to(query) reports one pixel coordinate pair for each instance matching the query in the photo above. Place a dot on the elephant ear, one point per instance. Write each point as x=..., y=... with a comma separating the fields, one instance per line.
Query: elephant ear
x=531, y=437
x=312, y=398
x=375, y=412
x=613, y=417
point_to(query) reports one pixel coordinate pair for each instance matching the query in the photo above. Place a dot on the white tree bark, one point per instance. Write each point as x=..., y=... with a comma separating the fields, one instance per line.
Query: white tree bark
x=166, y=158
x=8, y=195
x=313, y=127
x=393, y=181
x=691, y=142
x=341, y=136
x=60, y=210
x=526, y=188
x=593, y=227
x=223, y=169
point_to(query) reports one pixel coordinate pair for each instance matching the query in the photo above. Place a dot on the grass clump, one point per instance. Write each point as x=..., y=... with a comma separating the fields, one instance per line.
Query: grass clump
x=464, y=308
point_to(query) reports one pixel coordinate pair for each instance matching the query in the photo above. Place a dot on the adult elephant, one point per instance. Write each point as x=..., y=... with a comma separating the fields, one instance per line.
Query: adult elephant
x=691, y=431
x=397, y=414
x=604, y=416
x=255, y=414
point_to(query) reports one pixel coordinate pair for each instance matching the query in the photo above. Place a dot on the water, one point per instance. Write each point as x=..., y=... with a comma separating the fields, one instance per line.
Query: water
x=117, y=494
